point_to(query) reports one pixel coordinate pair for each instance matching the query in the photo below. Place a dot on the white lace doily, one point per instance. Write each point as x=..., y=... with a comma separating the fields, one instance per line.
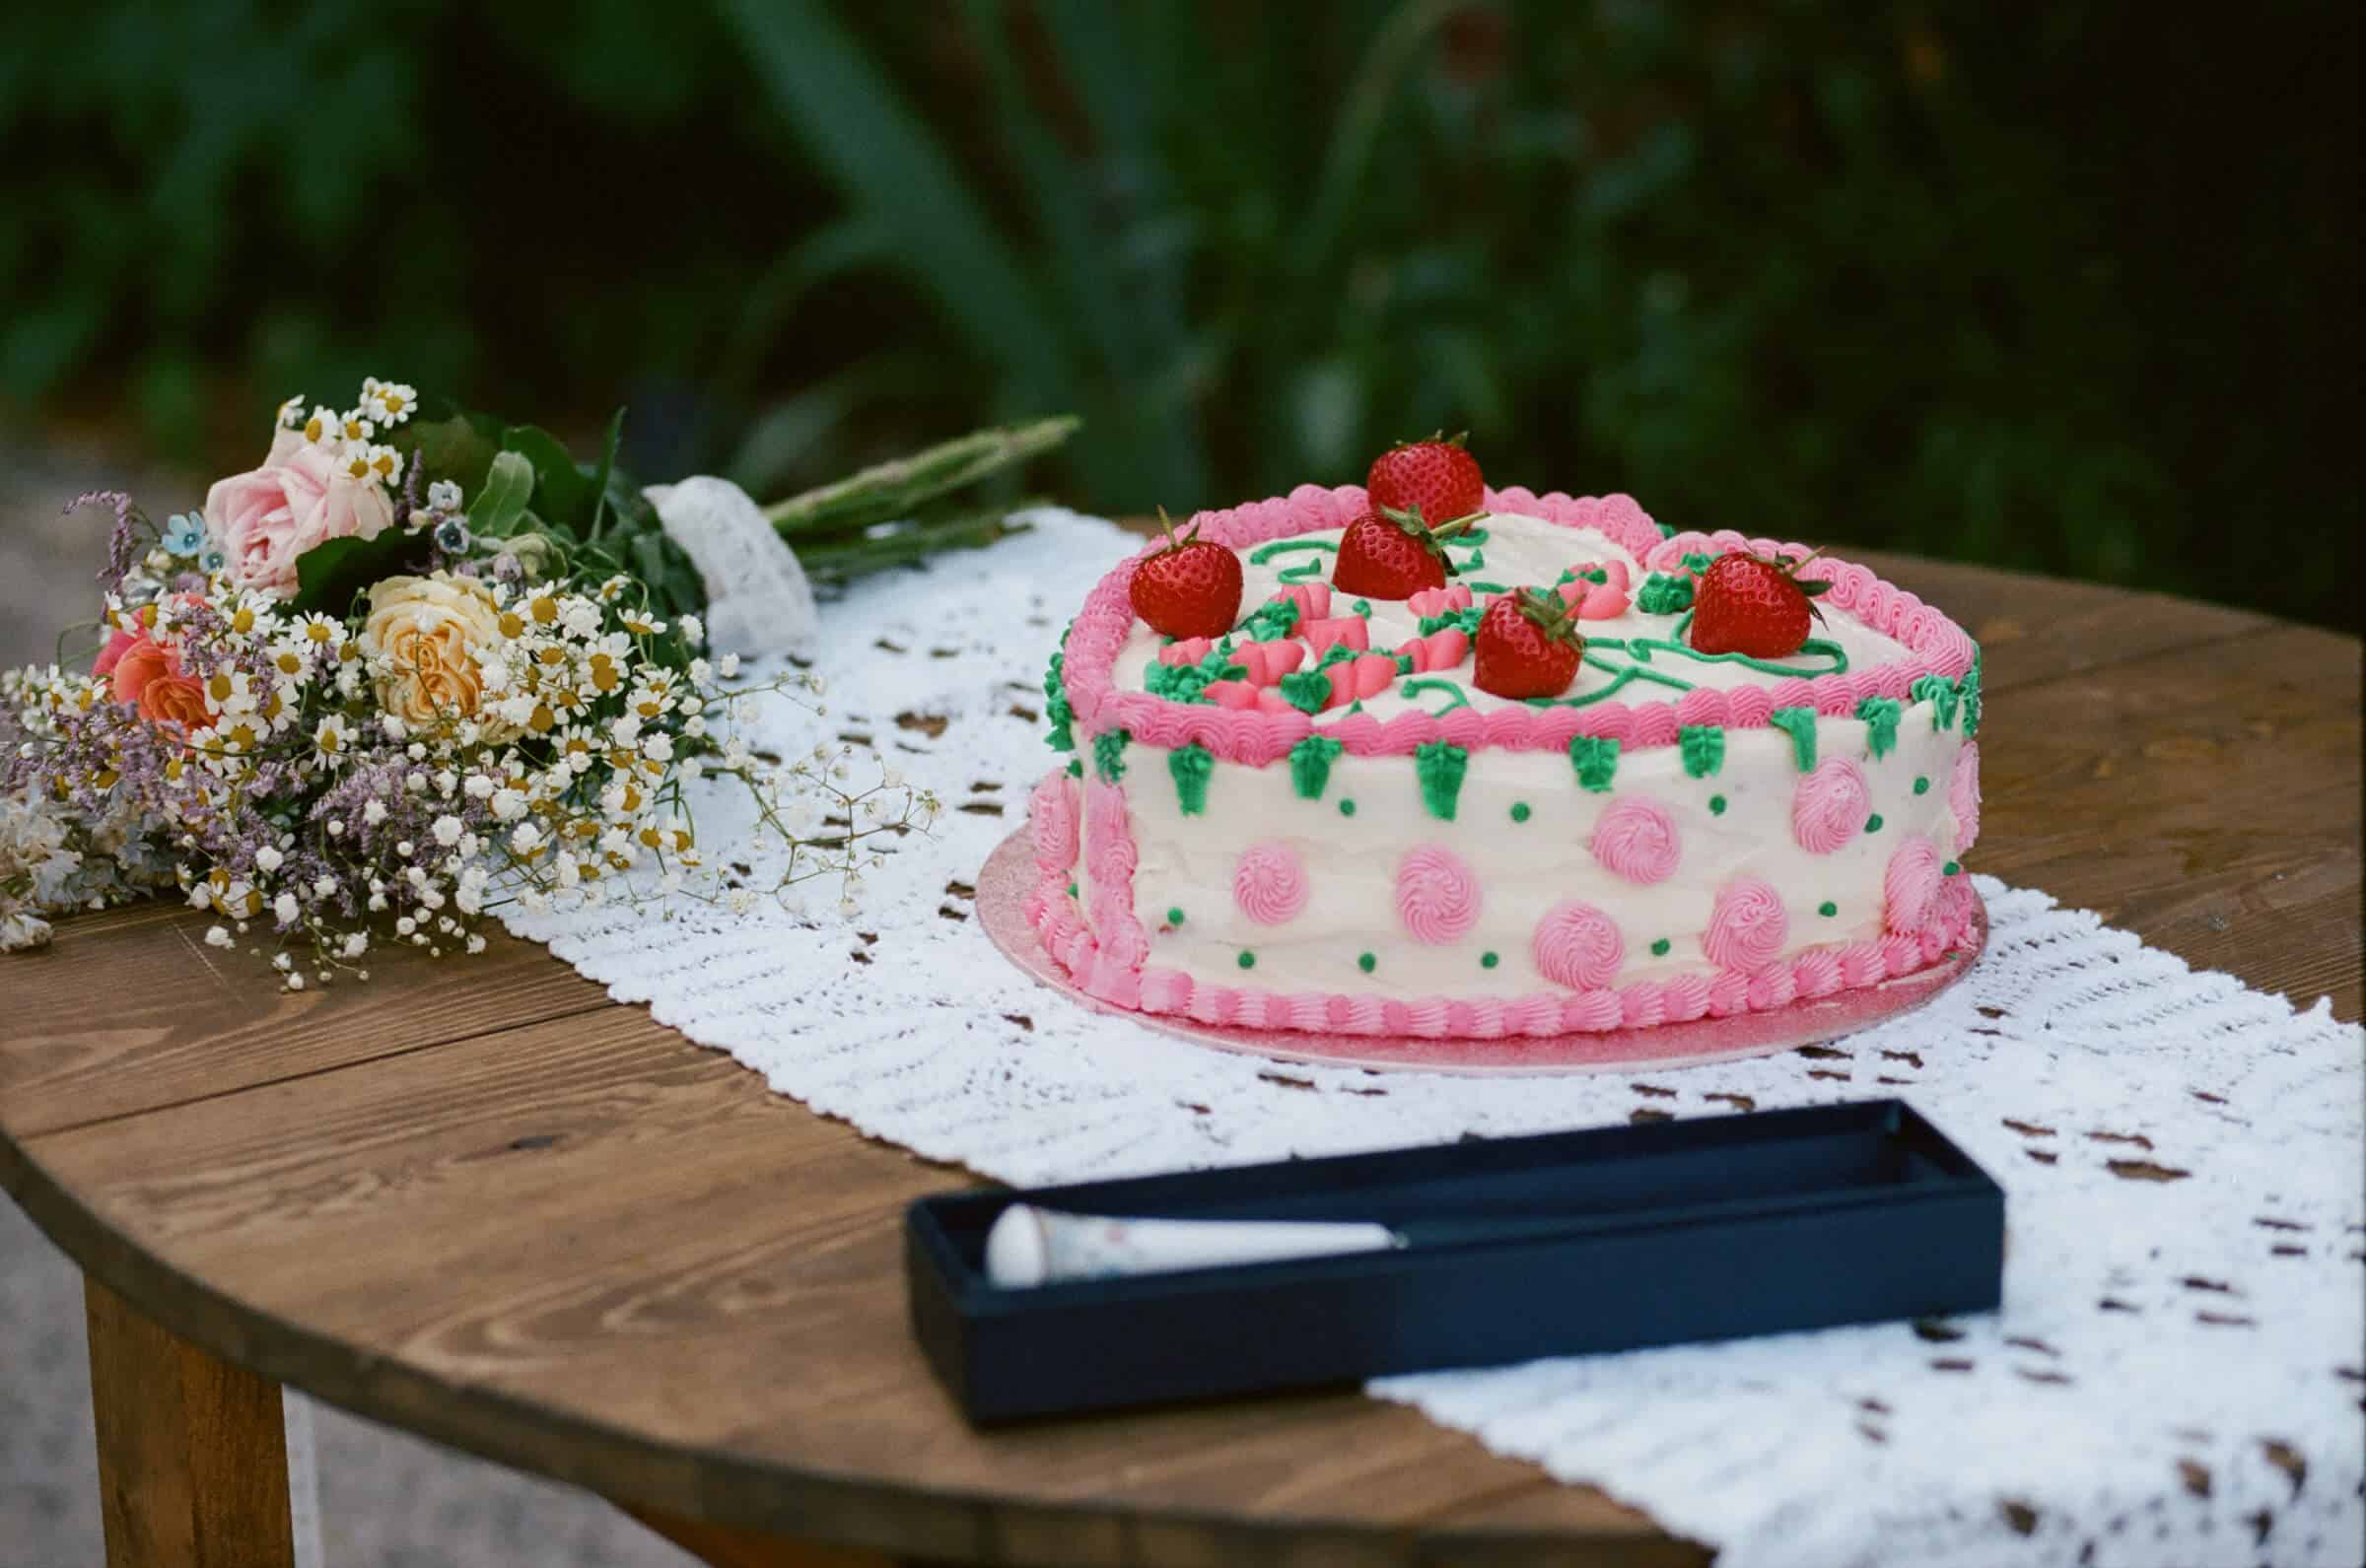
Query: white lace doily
x=2175, y=1378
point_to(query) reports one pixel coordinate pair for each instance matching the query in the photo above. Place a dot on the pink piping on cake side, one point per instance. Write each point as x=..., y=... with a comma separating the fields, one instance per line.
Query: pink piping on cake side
x=1817, y=972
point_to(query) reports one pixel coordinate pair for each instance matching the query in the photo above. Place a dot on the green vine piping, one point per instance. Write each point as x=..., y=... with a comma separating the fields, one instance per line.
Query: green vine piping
x=1434, y=684
x=1266, y=552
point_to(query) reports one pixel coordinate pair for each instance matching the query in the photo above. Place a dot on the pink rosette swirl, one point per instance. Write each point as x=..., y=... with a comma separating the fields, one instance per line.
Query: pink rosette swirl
x=1963, y=795
x=1909, y=887
x=1746, y=927
x=1269, y=883
x=1577, y=945
x=1636, y=840
x=1438, y=896
x=1829, y=805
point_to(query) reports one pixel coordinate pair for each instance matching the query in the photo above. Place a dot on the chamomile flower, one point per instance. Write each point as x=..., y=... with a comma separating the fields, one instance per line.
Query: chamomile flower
x=319, y=631
x=331, y=740
x=291, y=412
x=391, y=401
x=385, y=463
x=358, y=426
x=353, y=462
x=324, y=425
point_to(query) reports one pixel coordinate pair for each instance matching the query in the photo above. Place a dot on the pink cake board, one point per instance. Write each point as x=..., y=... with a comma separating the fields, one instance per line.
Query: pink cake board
x=1010, y=873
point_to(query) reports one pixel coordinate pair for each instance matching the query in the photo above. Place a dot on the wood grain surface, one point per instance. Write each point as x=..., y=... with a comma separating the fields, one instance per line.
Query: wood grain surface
x=192, y=1454
x=475, y=1199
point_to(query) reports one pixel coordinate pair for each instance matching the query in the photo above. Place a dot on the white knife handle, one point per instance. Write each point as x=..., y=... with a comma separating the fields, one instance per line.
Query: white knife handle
x=1031, y=1246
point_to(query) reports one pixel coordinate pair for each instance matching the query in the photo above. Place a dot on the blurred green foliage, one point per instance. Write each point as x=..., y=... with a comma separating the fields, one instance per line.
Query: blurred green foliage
x=2068, y=289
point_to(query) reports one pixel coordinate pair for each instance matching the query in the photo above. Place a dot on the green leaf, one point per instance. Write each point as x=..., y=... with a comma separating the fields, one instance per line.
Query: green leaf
x=861, y=133
x=496, y=506
x=605, y=472
x=453, y=449
x=564, y=493
x=330, y=574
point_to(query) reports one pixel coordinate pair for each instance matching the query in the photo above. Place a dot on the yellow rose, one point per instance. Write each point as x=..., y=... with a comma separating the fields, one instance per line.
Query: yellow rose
x=425, y=626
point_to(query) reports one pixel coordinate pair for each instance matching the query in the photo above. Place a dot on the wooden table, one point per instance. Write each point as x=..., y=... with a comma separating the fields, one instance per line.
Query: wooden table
x=478, y=1200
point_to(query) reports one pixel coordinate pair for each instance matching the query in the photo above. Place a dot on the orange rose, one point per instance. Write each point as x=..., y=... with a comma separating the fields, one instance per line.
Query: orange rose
x=146, y=674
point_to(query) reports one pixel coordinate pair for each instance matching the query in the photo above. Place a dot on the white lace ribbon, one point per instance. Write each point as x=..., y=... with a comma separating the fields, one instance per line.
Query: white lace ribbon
x=758, y=600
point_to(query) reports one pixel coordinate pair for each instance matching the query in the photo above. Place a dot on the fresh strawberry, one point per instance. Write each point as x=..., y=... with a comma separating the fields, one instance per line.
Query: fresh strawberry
x=1437, y=476
x=1190, y=589
x=1528, y=646
x=1393, y=555
x=1751, y=605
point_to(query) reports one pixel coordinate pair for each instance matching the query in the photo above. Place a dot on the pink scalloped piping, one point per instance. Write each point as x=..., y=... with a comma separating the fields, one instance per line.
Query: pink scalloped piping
x=1052, y=814
x=1257, y=736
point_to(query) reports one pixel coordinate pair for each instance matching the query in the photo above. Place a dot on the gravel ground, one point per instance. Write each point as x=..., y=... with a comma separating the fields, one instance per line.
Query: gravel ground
x=386, y=1498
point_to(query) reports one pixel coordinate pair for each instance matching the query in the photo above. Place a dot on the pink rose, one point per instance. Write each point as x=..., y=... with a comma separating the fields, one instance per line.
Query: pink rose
x=147, y=675
x=299, y=499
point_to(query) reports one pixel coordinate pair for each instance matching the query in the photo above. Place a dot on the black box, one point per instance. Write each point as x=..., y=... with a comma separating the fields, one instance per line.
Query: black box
x=1677, y=1230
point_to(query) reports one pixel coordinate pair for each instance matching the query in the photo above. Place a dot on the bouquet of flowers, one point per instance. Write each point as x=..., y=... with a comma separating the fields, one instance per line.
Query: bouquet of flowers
x=409, y=668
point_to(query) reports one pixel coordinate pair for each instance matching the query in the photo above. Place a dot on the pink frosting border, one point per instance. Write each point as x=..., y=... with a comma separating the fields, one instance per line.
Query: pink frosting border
x=1257, y=737
x=1095, y=967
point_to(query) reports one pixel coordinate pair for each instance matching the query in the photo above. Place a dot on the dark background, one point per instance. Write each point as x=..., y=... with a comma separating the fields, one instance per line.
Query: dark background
x=2070, y=288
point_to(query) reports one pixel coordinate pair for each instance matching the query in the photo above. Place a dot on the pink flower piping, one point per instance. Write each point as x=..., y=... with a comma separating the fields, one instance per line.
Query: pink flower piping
x=1816, y=971
x=1829, y=806
x=1441, y=650
x=1327, y=633
x=1635, y=839
x=1963, y=796
x=1268, y=662
x=1438, y=896
x=1746, y=927
x=1910, y=886
x=1270, y=883
x=1578, y=946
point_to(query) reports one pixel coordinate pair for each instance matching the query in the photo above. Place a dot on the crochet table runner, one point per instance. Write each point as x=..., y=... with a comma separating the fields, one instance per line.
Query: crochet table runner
x=2176, y=1373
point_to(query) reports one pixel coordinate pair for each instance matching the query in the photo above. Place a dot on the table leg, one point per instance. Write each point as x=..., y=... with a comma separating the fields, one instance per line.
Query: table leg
x=192, y=1456
x=724, y=1547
